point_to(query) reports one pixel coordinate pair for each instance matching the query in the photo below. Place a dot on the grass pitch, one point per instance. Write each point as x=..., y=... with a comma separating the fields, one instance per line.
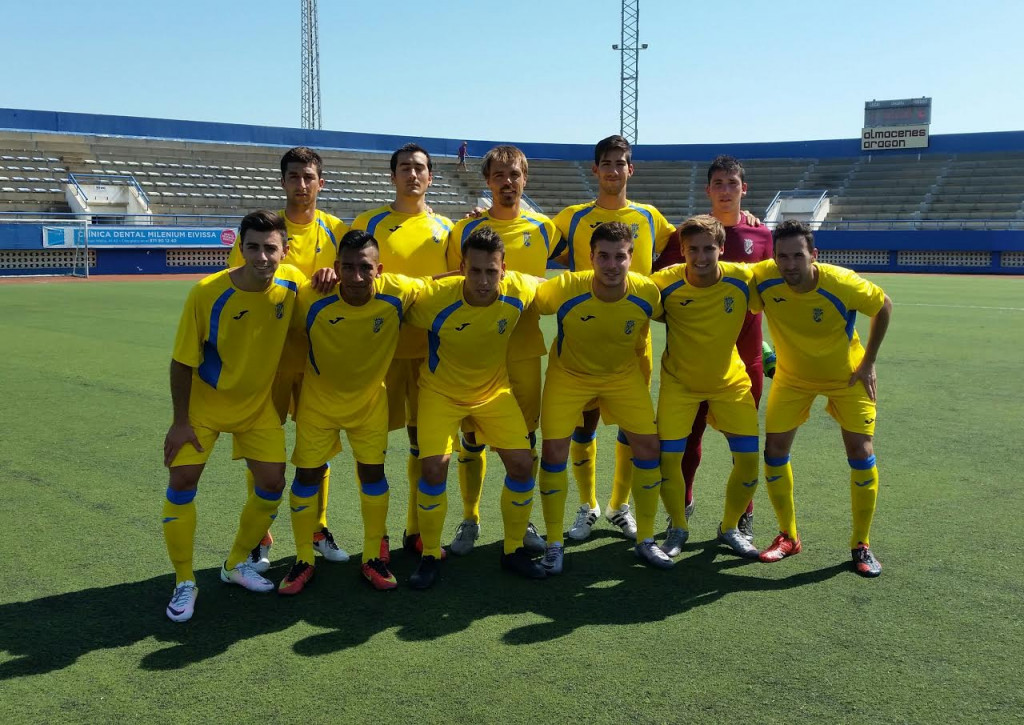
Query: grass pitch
x=938, y=637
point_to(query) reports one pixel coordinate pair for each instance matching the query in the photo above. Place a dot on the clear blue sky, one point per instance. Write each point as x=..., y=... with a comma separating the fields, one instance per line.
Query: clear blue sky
x=530, y=70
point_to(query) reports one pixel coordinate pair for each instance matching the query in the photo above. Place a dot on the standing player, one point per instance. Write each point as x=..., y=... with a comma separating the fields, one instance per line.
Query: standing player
x=601, y=313
x=230, y=337
x=743, y=243
x=413, y=242
x=312, y=244
x=352, y=330
x=706, y=302
x=812, y=310
x=613, y=166
x=528, y=239
x=470, y=320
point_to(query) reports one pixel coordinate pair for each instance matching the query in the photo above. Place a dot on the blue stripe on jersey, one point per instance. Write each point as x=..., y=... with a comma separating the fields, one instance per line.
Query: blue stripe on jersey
x=371, y=226
x=563, y=311
x=392, y=300
x=741, y=285
x=514, y=301
x=434, y=334
x=210, y=367
x=769, y=283
x=642, y=304
x=665, y=293
x=467, y=230
x=543, y=230
x=573, y=223
x=375, y=488
x=851, y=323
x=743, y=444
x=650, y=222
x=330, y=234
x=314, y=310
x=441, y=222
x=286, y=283
x=849, y=315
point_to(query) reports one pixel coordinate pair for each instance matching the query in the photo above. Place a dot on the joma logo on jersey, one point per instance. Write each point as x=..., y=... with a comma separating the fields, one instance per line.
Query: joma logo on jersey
x=336, y=320
x=630, y=324
x=463, y=326
x=684, y=303
x=729, y=301
x=588, y=317
x=279, y=310
x=818, y=314
x=635, y=228
x=378, y=322
x=240, y=315
x=526, y=239
x=395, y=228
x=778, y=299
x=502, y=326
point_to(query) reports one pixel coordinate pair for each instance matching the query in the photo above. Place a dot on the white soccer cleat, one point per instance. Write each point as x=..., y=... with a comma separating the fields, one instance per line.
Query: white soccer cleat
x=651, y=555
x=675, y=538
x=323, y=542
x=735, y=540
x=554, y=556
x=622, y=518
x=246, y=576
x=586, y=517
x=183, y=602
x=465, y=537
x=259, y=557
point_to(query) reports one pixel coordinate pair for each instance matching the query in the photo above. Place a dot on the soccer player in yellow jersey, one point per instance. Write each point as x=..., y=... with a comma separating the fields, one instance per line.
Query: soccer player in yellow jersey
x=414, y=242
x=706, y=303
x=601, y=313
x=230, y=337
x=529, y=239
x=613, y=166
x=312, y=244
x=812, y=310
x=470, y=320
x=353, y=331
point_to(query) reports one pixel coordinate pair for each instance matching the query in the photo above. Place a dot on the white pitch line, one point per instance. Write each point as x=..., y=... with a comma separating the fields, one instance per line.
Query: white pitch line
x=957, y=307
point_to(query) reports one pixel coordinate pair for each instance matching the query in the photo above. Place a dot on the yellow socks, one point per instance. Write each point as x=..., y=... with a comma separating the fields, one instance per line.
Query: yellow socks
x=583, y=453
x=472, y=469
x=516, y=505
x=321, y=501
x=303, y=501
x=863, y=494
x=673, y=487
x=257, y=515
x=778, y=479
x=554, y=489
x=739, y=491
x=646, y=485
x=179, y=519
x=622, y=477
x=373, y=500
x=432, y=506
x=414, y=471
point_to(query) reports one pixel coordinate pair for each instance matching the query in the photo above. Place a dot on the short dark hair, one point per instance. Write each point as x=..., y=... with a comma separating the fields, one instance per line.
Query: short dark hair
x=617, y=143
x=611, y=232
x=302, y=155
x=411, y=148
x=484, y=239
x=355, y=240
x=728, y=164
x=794, y=228
x=702, y=224
x=262, y=220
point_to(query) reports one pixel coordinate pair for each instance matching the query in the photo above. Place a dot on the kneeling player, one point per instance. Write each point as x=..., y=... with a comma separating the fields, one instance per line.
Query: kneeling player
x=706, y=304
x=812, y=310
x=602, y=313
x=230, y=337
x=353, y=333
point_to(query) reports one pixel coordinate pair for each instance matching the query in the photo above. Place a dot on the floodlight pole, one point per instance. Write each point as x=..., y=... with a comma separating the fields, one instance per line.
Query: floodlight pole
x=630, y=52
x=310, y=83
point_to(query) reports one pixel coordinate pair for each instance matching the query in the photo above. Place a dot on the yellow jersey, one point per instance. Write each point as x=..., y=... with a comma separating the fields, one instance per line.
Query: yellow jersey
x=815, y=333
x=233, y=341
x=468, y=345
x=529, y=240
x=703, y=325
x=415, y=245
x=595, y=337
x=576, y=224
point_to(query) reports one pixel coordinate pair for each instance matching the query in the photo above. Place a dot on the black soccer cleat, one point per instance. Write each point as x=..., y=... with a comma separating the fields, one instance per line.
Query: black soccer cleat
x=519, y=562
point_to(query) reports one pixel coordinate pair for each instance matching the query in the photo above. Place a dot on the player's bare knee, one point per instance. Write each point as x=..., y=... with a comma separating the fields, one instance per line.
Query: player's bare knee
x=184, y=478
x=859, y=446
x=645, y=447
x=370, y=472
x=555, y=450
x=435, y=469
x=778, y=445
x=307, y=476
x=518, y=464
x=268, y=476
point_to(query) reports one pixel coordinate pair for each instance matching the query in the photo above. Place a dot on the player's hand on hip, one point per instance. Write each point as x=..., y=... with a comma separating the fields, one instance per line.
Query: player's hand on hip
x=323, y=280
x=866, y=374
x=177, y=437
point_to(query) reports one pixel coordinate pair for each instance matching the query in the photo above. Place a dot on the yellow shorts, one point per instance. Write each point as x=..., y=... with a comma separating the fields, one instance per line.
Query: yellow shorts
x=402, y=382
x=498, y=421
x=284, y=392
x=368, y=437
x=260, y=444
x=789, y=408
x=645, y=356
x=524, y=375
x=731, y=410
x=624, y=399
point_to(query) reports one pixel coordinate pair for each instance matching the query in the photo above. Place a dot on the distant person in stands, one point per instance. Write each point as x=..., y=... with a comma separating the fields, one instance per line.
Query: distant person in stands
x=463, y=150
x=747, y=243
x=313, y=237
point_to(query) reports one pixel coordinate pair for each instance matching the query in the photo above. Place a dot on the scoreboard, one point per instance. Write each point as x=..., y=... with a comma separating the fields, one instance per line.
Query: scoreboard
x=902, y=112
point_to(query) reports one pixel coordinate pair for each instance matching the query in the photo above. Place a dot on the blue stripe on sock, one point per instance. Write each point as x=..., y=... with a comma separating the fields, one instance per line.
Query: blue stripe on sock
x=646, y=465
x=267, y=495
x=303, y=490
x=429, y=490
x=621, y=438
x=780, y=461
x=180, y=498
x=519, y=486
x=866, y=465
x=472, y=449
x=583, y=437
x=375, y=488
x=553, y=467
x=743, y=444
x=677, y=445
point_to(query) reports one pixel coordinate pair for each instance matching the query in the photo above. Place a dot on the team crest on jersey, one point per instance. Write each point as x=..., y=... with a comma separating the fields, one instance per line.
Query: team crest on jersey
x=502, y=325
x=635, y=228
x=526, y=239
x=748, y=246
x=818, y=313
x=377, y=323
x=279, y=310
x=630, y=324
x=729, y=301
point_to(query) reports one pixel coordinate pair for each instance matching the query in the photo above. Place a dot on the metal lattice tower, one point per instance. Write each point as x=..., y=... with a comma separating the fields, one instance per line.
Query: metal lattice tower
x=630, y=49
x=310, y=65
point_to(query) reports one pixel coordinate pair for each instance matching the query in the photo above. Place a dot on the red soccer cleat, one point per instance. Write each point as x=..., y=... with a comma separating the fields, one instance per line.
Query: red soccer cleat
x=782, y=547
x=376, y=572
x=864, y=562
x=296, y=579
